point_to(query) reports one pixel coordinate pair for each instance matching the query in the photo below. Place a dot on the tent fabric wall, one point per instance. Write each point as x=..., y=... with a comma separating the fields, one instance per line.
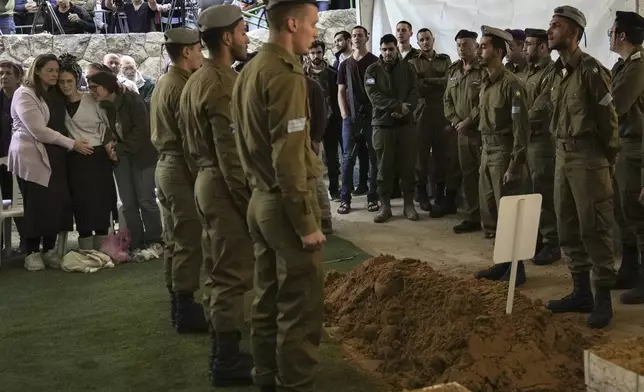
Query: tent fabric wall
x=446, y=17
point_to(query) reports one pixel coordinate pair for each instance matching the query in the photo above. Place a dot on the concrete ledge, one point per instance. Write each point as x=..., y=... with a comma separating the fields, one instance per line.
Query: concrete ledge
x=605, y=376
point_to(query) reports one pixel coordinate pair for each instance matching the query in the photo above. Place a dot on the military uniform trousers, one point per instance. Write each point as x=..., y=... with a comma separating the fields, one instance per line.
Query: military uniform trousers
x=182, y=230
x=323, y=196
x=629, y=182
x=231, y=249
x=541, y=164
x=437, y=149
x=626, y=235
x=288, y=310
x=496, y=154
x=469, y=157
x=396, y=150
x=584, y=207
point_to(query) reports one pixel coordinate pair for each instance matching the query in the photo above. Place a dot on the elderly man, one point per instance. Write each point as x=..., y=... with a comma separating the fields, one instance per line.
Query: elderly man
x=113, y=62
x=145, y=84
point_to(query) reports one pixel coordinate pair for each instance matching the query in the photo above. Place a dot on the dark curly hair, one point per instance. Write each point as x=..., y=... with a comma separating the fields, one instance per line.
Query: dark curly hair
x=68, y=63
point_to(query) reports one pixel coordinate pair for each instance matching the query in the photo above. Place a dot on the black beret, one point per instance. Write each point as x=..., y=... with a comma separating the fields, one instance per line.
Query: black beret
x=517, y=35
x=630, y=19
x=536, y=33
x=466, y=34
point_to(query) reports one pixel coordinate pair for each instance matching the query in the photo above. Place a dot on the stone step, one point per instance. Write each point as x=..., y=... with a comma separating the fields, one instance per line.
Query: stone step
x=602, y=375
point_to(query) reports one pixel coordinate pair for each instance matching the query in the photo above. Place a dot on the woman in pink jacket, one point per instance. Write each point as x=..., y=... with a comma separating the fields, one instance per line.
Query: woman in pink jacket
x=37, y=155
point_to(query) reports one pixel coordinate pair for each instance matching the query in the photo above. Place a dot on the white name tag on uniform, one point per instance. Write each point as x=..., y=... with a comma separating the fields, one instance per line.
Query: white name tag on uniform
x=370, y=81
x=606, y=100
x=516, y=109
x=296, y=125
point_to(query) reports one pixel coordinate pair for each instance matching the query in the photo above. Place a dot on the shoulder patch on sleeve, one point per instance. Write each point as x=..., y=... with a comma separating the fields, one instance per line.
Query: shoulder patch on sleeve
x=296, y=125
x=636, y=56
x=370, y=81
x=606, y=100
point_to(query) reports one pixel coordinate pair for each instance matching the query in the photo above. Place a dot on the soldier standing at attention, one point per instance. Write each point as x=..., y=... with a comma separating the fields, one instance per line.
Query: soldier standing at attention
x=391, y=85
x=274, y=143
x=461, y=102
x=503, y=126
x=175, y=182
x=430, y=122
x=221, y=192
x=541, y=147
x=584, y=123
x=516, y=60
x=404, y=32
x=626, y=37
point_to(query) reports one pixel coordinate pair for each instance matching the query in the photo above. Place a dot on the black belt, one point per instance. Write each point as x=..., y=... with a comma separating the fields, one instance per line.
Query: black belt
x=164, y=156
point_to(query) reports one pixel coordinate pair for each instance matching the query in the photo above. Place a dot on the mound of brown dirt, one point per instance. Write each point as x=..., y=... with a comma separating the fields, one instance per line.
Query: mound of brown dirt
x=426, y=328
x=628, y=354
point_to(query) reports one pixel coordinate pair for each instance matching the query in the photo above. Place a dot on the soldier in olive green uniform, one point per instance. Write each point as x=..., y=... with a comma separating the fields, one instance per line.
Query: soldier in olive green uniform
x=461, y=102
x=517, y=63
x=626, y=36
x=503, y=125
x=175, y=182
x=220, y=189
x=274, y=142
x=584, y=123
x=432, y=139
x=391, y=85
x=541, y=147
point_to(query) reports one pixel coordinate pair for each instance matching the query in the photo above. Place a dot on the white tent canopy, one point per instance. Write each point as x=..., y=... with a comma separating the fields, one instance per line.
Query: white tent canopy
x=446, y=17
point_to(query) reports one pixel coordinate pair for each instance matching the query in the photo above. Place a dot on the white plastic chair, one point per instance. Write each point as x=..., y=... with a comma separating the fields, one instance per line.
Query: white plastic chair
x=11, y=208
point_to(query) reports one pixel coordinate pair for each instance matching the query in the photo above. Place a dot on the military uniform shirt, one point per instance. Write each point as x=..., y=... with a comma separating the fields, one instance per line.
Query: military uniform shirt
x=628, y=90
x=164, y=112
x=538, y=95
x=521, y=72
x=272, y=116
x=206, y=116
x=461, y=98
x=504, y=112
x=582, y=103
x=432, y=76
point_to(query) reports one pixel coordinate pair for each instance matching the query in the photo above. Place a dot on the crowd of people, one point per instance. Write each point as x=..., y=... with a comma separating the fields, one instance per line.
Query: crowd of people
x=235, y=142
x=120, y=16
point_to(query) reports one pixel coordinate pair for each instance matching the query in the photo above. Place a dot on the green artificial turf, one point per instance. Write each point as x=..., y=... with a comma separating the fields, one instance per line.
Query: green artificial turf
x=109, y=331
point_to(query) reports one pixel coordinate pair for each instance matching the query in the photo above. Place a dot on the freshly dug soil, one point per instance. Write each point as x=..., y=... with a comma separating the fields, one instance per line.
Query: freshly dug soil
x=426, y=329
x=628, y=354
x=451, y=387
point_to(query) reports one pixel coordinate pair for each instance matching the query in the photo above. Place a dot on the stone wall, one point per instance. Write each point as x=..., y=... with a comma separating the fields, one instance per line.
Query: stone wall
x=146, y=49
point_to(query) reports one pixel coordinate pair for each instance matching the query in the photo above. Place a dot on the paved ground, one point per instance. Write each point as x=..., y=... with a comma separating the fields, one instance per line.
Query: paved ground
x=433, y=241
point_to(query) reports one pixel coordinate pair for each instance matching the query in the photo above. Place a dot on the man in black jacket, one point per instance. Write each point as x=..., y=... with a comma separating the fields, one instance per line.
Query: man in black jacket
x=391, y=85
x=73, y=20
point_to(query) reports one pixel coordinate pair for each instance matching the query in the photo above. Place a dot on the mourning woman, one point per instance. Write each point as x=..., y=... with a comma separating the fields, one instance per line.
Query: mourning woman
x=129, y=144
x=38, y=156
x=90, y=176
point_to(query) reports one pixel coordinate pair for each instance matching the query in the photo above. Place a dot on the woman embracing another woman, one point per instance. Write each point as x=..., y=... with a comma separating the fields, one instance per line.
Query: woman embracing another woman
x=91, y=183
x=38, y=156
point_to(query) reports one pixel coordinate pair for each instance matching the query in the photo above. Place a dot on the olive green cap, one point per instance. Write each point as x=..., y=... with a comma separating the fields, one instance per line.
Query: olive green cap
x=572, y=13
x=182, y=36
x=493, y=31
x=219, y=16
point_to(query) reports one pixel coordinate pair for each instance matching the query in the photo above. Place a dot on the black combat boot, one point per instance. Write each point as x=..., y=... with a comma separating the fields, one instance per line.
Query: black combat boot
x=213, y=351
x=384, y=214
x=579, y=301
x=408, y=208
x=547, y=255
x=267, y=388
x=521, y=276
x=496, y=272
x=467, y=227
x=628, y=270
x=173, y=308
x=635, y=296
x=447, y=205
x=190, y=317
x=603, y=310
x=423, y=198
x=231, y=368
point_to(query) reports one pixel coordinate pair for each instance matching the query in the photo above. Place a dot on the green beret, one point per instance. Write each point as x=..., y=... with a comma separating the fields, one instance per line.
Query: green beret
x=182, y=36
x=219, y=16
